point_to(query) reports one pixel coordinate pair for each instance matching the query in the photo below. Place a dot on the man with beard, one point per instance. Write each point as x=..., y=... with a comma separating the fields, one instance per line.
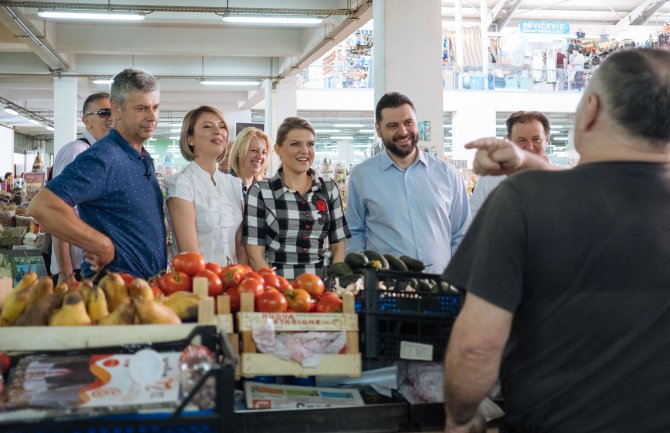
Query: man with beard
x=405, y=201
x=113, y=184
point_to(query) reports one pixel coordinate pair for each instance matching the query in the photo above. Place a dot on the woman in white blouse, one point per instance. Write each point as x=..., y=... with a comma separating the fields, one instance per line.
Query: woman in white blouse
x=205, y=205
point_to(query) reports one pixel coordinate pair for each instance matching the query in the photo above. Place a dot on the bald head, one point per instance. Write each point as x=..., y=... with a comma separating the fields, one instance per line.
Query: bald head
x=634, y=86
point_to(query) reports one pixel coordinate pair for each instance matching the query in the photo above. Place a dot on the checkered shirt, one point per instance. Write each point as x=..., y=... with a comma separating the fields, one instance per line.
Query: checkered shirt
x=292, y=227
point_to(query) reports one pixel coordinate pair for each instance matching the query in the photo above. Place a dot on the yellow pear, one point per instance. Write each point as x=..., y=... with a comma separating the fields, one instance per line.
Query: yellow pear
x=96, y=304
x=123, y=315
x=115, y=290
x=72, y=313
x=17, y=300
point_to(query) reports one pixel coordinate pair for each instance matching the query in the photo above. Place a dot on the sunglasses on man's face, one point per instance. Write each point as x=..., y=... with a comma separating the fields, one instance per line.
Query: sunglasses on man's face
x=102, y=113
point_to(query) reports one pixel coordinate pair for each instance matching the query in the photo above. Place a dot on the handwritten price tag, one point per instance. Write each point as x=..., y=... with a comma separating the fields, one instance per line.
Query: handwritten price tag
x=416, y=351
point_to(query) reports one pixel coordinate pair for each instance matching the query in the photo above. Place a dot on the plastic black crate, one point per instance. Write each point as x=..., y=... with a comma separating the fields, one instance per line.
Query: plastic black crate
x=390, y=317
x=218, y=420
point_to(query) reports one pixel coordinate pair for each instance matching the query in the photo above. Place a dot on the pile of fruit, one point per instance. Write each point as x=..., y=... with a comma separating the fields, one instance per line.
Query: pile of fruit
x=272, y=293
x=113, y=301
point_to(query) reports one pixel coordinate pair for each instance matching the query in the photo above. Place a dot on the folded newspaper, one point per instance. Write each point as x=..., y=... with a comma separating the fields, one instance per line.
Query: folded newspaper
x=270, y=396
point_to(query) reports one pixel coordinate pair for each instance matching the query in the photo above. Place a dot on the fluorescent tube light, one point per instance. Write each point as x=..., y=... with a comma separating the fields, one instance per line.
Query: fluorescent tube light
x=175, y=130
x=341, y=137
x=90, y=16
x=12, y=112
x=271, y=20
x=174, y=138
x=34, y=122
x=105, y=82
x=50, y=128
x=229, y=83
x=324, y=131
x=348, y=125
x=366, y=131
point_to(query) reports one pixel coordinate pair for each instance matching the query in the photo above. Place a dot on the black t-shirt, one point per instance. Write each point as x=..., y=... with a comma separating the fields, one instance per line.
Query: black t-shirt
x=582, y=259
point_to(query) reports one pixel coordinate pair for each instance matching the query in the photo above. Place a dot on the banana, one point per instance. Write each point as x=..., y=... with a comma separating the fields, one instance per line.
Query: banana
x=96, y=304
x=123, y=315
x=150, y=311
x=185, y=304
x=17, y=300
x=115, y=290
x=72, y=313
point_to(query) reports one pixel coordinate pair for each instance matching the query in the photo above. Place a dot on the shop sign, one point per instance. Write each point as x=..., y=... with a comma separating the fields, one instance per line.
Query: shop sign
x=551, y=27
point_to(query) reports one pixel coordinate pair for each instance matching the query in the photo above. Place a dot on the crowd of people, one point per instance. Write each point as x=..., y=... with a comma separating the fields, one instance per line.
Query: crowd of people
x=564, y=269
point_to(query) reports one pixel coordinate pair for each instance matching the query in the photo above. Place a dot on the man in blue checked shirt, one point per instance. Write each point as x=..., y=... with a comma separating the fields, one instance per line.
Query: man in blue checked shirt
x=113, y=184
x=405, y=201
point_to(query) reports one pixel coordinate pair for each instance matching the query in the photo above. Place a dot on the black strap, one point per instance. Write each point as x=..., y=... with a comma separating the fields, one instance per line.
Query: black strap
x=85, y=140
x=324, y=191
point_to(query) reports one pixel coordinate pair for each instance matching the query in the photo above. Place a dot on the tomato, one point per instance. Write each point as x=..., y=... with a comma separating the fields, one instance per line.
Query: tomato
x=251, y=285
x=189, y=263
x=310, y=282
x=215, y=267
x=127, y=278
x=174, y=281
x=232, y=274
x=298, y=300
x=252, y=276
x=284, y=285
x=271, y=301
x=234, y=294
x=329, y=302
x=214, y=284
x=270, y=277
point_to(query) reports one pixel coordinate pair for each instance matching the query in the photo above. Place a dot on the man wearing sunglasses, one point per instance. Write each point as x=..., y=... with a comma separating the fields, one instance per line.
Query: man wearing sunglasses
x=97, y=118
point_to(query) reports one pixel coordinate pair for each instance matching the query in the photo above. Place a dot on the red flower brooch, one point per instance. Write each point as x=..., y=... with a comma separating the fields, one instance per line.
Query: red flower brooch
x=321, y=206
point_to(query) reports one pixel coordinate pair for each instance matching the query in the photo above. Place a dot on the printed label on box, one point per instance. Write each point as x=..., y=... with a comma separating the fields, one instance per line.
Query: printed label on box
x=416, y=351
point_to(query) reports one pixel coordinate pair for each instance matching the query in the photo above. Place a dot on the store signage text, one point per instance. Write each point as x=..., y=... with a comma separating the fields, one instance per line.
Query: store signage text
x=553, y=27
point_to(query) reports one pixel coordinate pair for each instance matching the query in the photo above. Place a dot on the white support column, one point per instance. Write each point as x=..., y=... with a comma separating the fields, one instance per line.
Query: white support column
x=483, y=9
x=6, y=151
x=65, y=111
x=408, y=59
x=284, y=103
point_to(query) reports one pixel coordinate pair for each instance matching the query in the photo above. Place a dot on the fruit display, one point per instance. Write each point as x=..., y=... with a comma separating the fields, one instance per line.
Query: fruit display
x=113, y=301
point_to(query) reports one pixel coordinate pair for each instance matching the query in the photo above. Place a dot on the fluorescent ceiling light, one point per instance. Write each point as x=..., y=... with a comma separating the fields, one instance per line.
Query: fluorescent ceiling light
x=556, y=126
x=153, y=139
x=341, y=137
x=174, y=138
x=106, y=82
x=229, y=83
x=348, y=125
x=34, y=122
x=372, y=137
x=366, y=131
x=271, y=20
x=323, y=131
x=175, y=130
x=50, y=128
x=560, y=138
x=90, y=16
x=12, y=112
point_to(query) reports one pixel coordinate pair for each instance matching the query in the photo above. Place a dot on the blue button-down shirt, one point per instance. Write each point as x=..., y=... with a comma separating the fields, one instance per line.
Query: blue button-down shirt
x=116, y=191
x=421, y=212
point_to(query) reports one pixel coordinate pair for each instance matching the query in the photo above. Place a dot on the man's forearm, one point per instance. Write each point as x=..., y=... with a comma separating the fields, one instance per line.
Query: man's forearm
x=63, y=257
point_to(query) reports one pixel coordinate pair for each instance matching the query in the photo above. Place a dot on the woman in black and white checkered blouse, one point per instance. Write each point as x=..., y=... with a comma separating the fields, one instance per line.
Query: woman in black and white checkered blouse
x=289, y=217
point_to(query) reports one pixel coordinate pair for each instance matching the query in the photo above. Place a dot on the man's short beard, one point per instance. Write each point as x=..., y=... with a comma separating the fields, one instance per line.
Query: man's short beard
x=391, y=147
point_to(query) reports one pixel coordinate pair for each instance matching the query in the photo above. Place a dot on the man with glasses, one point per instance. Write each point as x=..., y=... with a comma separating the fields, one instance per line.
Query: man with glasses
x=114, y=186
x=530, y=131
x=97, y=118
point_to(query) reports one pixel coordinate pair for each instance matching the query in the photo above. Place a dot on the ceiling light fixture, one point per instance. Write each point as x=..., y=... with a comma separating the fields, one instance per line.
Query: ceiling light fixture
x=50, y=128
x=91, y=16
x=105, y=82
x=239, y=19
x=348, y=125
x=341, y=137
x=12, y=112
x=324, y=131
x=34, y=122
x=229, y=83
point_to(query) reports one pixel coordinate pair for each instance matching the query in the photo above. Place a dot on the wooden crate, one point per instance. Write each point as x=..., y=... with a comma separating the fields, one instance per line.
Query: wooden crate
x=46, y=338
x=254, y=363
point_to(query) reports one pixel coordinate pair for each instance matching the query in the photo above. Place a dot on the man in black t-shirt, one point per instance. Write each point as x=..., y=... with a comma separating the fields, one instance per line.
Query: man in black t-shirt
x=567, y=272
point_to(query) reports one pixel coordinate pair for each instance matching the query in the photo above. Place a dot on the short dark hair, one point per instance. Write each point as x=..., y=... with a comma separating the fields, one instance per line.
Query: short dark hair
x=636, y=87
x=91, y=99
x=131, y=80
x=525, y=117
x=391, y=100
x=289, y=124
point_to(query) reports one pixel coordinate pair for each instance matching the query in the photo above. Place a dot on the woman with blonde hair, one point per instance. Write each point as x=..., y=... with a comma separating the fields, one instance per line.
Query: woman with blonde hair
x=249, y=156
x=289, y=218
x=205, y=206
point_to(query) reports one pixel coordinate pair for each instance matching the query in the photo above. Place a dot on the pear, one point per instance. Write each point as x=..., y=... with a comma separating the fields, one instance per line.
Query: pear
x=185, y=304
x=72, y=313
x=96, y=304
x=115, y=290
x=123, y=315
x=17, y=300
x=150, y=311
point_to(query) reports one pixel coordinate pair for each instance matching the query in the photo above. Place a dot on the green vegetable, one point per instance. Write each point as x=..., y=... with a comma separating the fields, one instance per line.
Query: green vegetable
x=7, y=267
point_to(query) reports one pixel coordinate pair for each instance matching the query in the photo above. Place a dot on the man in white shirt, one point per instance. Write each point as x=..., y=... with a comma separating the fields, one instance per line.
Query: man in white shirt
x=527, y=129
x=97, y=117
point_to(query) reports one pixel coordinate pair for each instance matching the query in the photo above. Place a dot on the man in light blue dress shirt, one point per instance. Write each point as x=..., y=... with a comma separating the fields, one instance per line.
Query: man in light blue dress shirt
x=405, y=201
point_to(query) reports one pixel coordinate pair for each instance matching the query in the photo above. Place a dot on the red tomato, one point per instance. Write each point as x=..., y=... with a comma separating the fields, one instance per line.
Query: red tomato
x=284, y=285
x=270, y=277
x=271, y=301
x=127, y=278
x=215, y=267
x=298, y=300
x=189, y=263
x=252, y=276
x=234, y=294
x=232, y=275
x=174, y=281
x=329, y=302
x=310, y=282
x=251, y=285
x=214, y=284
